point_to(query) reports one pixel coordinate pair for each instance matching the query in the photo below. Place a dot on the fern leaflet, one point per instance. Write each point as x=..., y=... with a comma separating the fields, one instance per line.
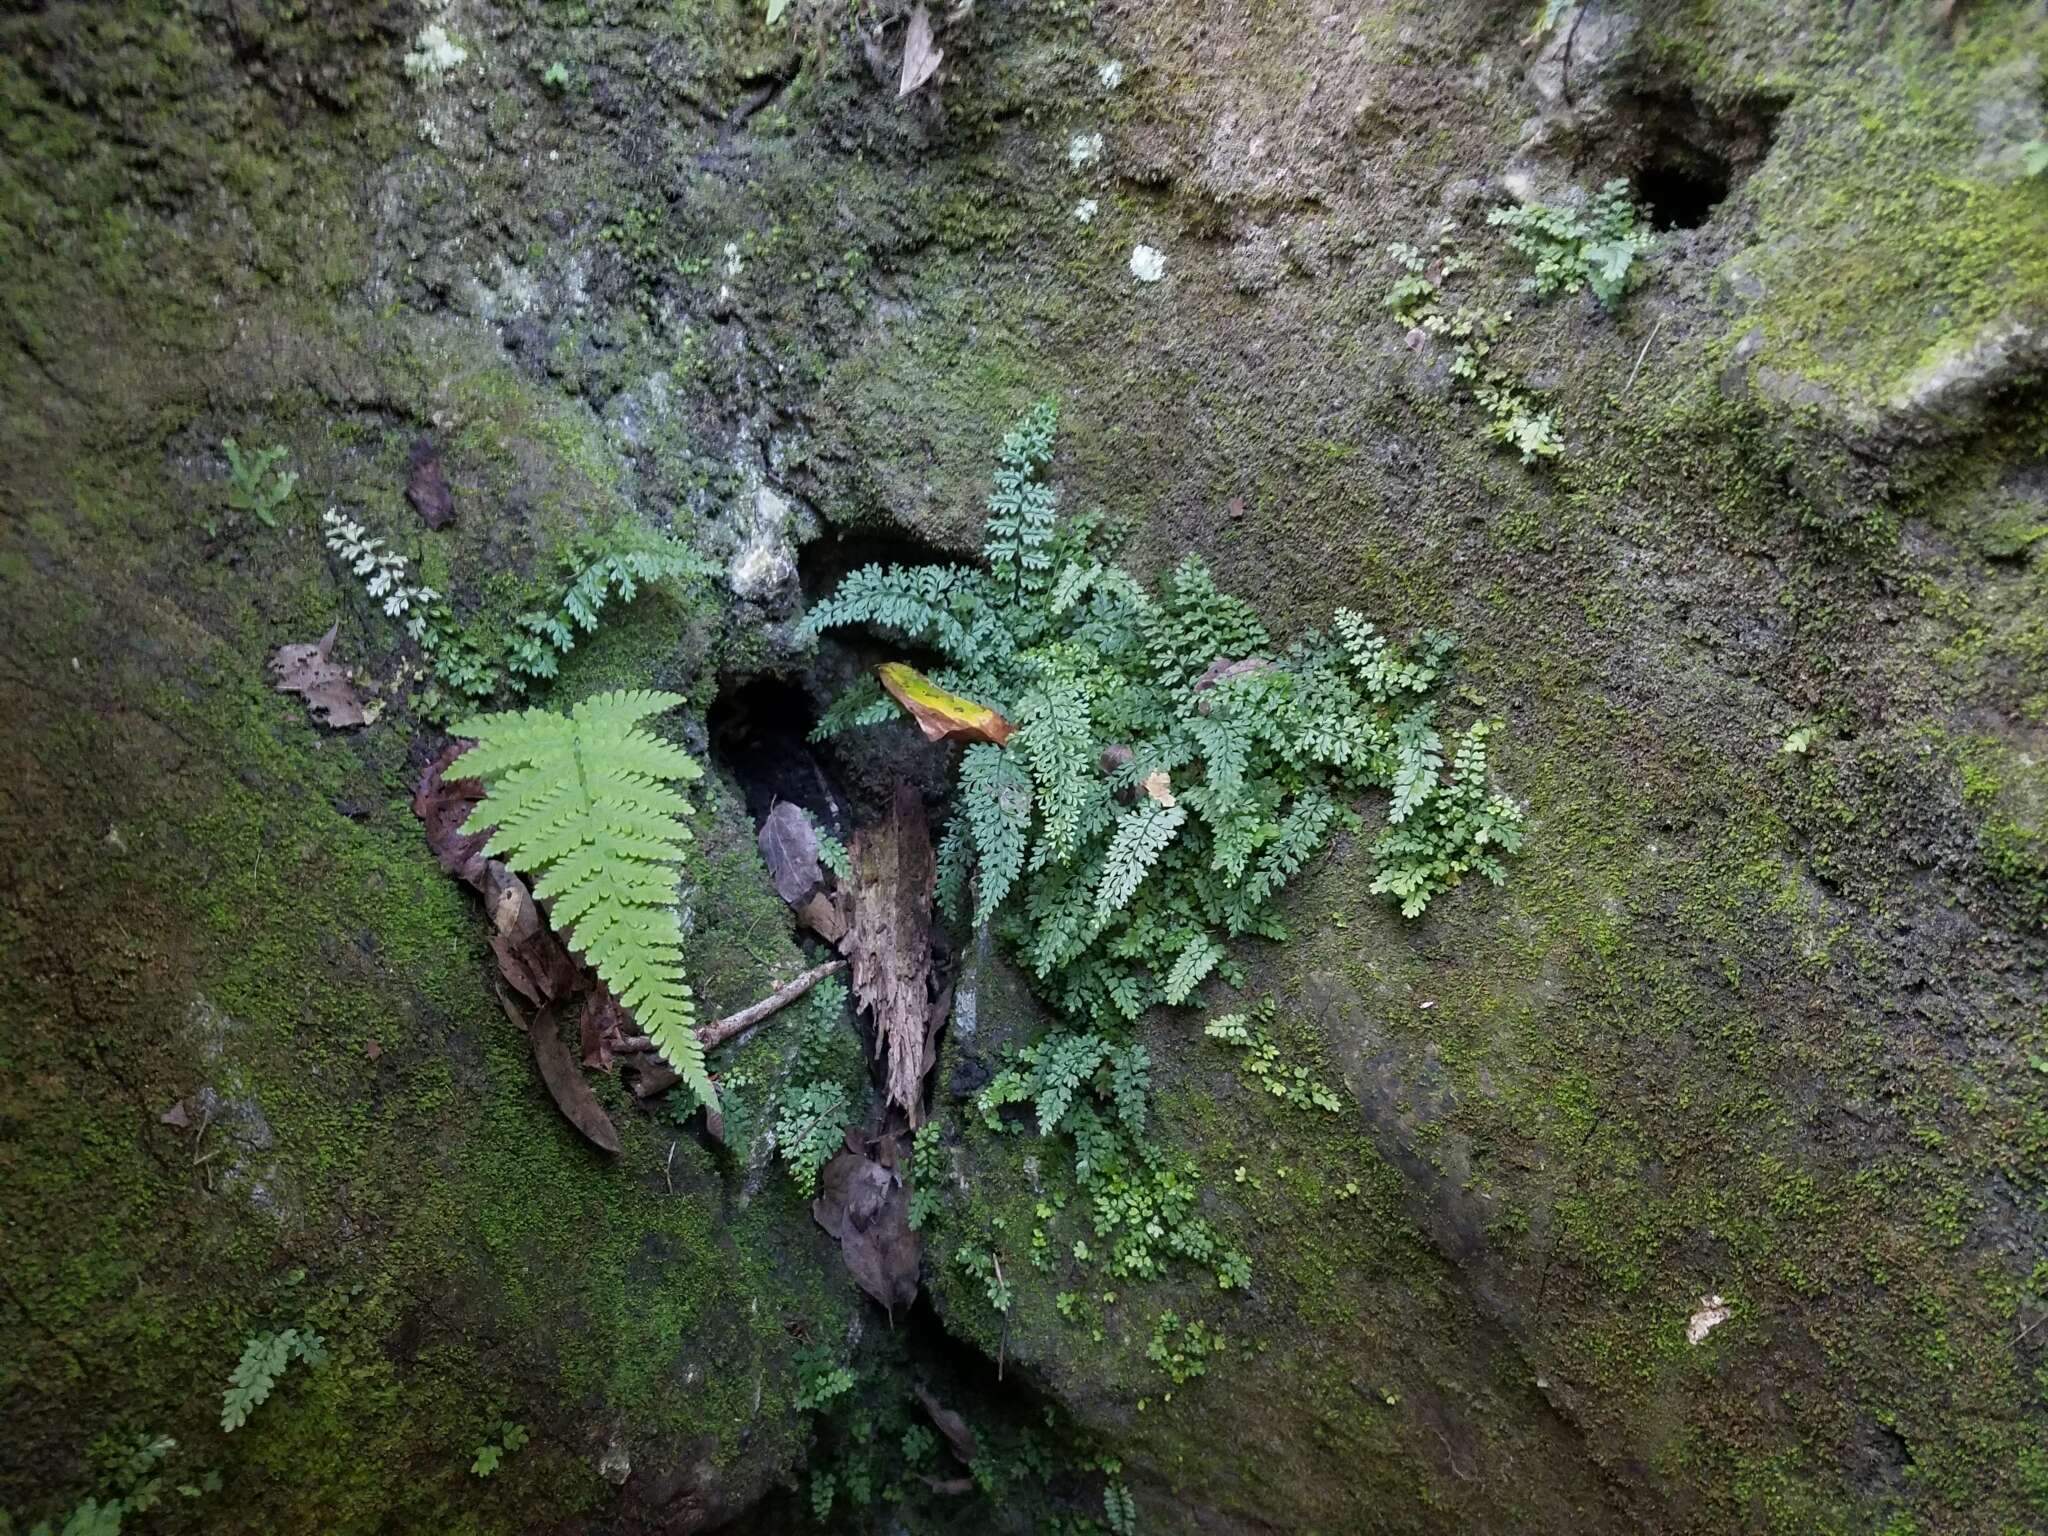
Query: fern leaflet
x=584, y=804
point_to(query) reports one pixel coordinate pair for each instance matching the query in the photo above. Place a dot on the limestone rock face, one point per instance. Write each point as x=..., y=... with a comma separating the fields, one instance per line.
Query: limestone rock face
x=1693, y=1181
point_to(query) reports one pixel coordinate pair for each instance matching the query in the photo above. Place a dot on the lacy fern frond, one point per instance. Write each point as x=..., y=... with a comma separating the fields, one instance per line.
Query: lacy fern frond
x=996, y=798
x=1141, y=837
x=583, y=803
x=1022, y=506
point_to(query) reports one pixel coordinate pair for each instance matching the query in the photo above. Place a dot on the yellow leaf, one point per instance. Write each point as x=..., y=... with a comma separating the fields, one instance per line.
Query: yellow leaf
x=942, y=716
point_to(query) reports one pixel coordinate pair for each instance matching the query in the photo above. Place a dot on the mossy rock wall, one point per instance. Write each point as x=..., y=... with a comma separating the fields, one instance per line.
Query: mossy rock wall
x=1747, y=1023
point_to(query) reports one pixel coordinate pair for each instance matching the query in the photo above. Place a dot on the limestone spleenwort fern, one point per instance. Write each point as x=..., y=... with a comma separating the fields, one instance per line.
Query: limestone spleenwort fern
x=1172, y=768
x=586, y=804
x=1596, y=249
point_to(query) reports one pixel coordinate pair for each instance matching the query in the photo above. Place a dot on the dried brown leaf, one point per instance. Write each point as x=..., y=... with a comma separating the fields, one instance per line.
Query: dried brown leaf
x=175, y=1117
x=921, y=56
x=867, y=1209
x=566, y=1086
x=443, y=805
x=311, y=672
x=948, y=1423
x=825, y=915
x=601, y=1027
x=426, y=487
x=1223, y=670
x=789, y=847
x=890, y=942
x=1159, y=785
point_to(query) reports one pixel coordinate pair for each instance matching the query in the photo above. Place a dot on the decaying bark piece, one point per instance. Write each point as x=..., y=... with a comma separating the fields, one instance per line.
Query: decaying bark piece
x=890, y=943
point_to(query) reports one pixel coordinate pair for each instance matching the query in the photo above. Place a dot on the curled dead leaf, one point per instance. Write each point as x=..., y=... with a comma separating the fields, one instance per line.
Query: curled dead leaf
x=866, y=1208
x=1159, y=785
x=948, y=1423
x=565, y=1084
x=1222, y=670
x=789, y=847
x=921, y=56
x=942, y=716
x=426, y=487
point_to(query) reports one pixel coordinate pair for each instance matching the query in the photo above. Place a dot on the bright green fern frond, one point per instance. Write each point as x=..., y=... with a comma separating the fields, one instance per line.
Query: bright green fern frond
x=1057, y=743
x=1191, y=967
x=1018, y=539
x=1419, y=755
x=584, y=804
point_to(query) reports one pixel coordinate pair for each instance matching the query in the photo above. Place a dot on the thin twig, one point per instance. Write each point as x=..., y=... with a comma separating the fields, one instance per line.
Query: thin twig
x=1003, y=1343
x=660, y=1078
x=2037, y=1322
x=712, y=1035
x=1631, y=384
x=668, y=1168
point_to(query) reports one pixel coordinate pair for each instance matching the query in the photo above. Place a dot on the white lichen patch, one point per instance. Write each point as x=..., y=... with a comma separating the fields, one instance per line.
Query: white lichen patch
x=764, y=564
x=1084, y=149
x=1711, y=1313
x=1085, y=210
x=434, y=54
x=1148, y=264
x=1111, y=74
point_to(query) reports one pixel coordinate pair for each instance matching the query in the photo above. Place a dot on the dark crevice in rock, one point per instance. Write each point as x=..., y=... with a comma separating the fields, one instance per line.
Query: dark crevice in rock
x=1684, y=156
x=760, y=737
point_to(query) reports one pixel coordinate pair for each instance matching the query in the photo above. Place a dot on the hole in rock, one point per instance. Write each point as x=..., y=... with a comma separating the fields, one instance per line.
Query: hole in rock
x=1683, y=155
x=759, y=735
x=826, y=561
x=1679, y=195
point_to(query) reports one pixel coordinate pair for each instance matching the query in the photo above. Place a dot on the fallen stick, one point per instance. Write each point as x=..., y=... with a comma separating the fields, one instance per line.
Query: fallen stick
x=661, y=1079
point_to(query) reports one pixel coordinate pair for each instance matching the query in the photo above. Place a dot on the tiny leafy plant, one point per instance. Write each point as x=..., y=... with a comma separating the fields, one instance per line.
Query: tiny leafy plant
x=927, y=1174
x=134, y=1480
x=820, y=1379
x=1596, y=249
x=595, y=569
x=1172, y=769
x=265, y=1358
x=1141, y=1202
x=1119, y=1510
x=1182, y=1350
x=256, y=486
x=1261, y=1060
x=810, y=1128
x=813, y=1109
x=587, y=804
x=507, y=1438
x=1418, y=302
x=382, y=571
x=556, y=77
x=985, y=1266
